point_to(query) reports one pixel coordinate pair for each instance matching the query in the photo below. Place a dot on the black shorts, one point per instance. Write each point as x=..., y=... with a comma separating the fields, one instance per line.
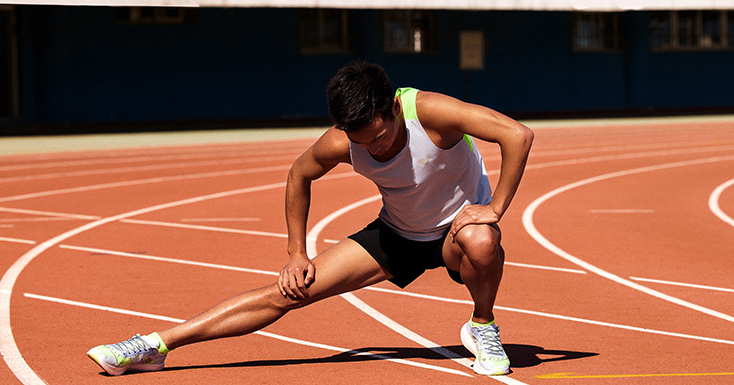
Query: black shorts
x=404, y=259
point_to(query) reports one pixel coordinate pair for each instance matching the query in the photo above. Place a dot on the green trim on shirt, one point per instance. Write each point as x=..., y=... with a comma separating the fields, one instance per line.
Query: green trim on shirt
x=407, y=97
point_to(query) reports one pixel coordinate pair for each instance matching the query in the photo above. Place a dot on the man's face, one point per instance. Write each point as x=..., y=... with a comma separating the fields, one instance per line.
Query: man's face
x=378, y=137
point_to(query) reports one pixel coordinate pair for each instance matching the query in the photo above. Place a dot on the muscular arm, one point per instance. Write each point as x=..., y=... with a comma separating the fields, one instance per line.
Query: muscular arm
x=329, y=150
x=449, y=119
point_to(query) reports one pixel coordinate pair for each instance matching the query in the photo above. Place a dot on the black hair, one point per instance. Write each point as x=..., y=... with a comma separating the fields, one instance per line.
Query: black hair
x=358, y=93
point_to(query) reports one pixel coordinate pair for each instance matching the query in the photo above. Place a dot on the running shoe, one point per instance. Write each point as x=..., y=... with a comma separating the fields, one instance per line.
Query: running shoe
x=140, y=353
x=484, y=343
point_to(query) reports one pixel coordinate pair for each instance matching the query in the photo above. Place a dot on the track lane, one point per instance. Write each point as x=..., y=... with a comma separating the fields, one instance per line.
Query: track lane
x=526, y=339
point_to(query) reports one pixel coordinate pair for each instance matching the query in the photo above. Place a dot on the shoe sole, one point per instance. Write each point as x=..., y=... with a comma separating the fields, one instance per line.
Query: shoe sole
x=117, y=371
x=471, y=346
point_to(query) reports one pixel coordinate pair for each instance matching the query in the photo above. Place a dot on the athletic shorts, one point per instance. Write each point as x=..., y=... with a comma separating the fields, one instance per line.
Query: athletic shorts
x=404, y=259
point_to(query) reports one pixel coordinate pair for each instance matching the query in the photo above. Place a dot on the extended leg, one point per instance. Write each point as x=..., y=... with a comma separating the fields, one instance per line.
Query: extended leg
x=342, y=268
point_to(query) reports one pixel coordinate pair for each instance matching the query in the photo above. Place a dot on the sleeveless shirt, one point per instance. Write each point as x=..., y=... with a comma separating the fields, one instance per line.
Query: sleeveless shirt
x=423, y=187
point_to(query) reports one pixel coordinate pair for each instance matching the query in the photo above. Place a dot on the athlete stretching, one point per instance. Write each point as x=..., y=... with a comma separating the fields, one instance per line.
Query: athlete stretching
x=438, y=210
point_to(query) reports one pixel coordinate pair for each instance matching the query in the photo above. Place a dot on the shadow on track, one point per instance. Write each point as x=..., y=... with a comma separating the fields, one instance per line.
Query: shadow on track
x=521, y=356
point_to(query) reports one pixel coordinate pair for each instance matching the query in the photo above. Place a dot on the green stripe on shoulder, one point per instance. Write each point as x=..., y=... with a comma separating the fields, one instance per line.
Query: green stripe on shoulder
x=468, y=141
x=407, y=97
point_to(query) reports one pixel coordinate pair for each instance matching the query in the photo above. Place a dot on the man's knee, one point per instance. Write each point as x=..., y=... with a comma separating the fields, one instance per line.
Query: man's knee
x=285, y=303
x=481, y=244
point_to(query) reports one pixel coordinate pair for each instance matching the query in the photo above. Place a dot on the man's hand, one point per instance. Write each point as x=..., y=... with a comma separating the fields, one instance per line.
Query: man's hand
x=297, y=275
x=473, y=215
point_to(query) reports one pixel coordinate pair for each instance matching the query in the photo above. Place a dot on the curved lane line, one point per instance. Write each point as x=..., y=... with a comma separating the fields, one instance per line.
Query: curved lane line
x=398, y=292
x=8, y=348
x=311, y=250
x=258, y=332
x=714, y=202
x=527, y=220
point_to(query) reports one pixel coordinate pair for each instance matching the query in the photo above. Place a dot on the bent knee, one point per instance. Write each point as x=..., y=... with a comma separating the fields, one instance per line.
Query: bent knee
x=480, y=243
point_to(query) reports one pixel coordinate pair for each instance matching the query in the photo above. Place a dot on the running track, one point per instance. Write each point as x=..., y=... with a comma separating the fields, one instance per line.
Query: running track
x=620, y=246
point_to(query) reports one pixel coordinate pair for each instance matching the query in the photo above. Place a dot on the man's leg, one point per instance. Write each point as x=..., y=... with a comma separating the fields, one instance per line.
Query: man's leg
x=477, y=255
x=344, y=267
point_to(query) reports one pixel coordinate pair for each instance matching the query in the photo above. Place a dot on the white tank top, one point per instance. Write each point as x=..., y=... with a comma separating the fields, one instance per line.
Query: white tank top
x=423, y=187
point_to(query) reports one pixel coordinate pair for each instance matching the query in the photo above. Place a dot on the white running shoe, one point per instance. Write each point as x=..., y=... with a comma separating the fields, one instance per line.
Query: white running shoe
x=484, y=343
x=136, y=354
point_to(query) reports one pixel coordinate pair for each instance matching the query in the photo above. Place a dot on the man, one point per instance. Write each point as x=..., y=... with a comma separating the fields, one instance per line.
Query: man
x=438, y=210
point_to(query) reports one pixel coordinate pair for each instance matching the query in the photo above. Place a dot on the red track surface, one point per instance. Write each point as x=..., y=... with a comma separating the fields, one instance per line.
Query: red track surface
x=609, y=207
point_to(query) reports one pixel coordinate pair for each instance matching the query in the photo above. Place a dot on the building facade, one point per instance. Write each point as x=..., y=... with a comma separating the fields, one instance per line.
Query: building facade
x=69, y=67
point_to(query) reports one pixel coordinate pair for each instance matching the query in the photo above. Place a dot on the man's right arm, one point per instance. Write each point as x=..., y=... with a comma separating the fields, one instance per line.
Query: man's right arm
x=329, y=150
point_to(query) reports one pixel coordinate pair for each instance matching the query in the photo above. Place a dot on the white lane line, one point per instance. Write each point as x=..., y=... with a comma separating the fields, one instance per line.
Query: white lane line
x=312, y=252
x=143, y=159
x=70, y=148
x=408, y=294
x=540, y=267
x=672, y=283
x=621, y=211
x=16, y=240
x=120, y=170
x=355, y=352
x=318, y=227
x=529, y=225
x=556, y=316
x=332, y=241
x=221, y=219
x=141, y=182
x=163, y=259
x=45, y=219
x=8, y=348
x=379, y=317
x=604, y=158
x=206, y=228
x=102, y=308
x=402, y=330
x=366, y=354
x=658, y=147
x=618, y=326
x=47, y=213
x=714, y=202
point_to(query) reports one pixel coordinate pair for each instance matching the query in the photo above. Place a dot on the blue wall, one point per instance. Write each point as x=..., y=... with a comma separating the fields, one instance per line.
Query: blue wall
x=77, y=65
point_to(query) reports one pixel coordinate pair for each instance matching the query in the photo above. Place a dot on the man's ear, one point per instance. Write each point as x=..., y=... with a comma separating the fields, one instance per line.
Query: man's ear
x=397, y=109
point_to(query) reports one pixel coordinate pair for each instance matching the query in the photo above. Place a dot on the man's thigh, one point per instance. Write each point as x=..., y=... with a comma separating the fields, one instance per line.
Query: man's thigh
x=342, y=268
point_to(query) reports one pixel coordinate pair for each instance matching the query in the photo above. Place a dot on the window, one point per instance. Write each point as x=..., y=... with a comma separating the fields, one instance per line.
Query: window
x=711, y=31
x=661, y=30
x=324, y=30
x=409, y=31
x=155, y=15
x=595, y=31
x=691, y=30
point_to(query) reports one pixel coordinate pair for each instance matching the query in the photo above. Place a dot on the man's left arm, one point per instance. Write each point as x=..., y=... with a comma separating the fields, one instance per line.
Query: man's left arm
x=451, y=119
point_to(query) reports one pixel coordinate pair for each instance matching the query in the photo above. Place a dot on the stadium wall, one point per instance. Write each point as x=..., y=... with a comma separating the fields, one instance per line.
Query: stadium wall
x=80, y=69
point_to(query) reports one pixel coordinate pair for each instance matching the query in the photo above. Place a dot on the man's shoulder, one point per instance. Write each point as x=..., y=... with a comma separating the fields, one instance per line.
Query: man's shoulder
x=434, y=109
x=433, y=99
x=332, y=145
